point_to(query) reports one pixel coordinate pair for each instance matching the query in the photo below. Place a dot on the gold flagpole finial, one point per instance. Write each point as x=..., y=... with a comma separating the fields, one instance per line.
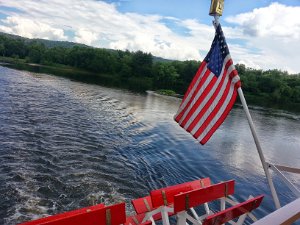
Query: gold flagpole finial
x=216, y=7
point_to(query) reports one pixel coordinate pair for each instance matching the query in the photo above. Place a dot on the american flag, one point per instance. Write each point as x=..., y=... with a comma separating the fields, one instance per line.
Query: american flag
x=212, y=92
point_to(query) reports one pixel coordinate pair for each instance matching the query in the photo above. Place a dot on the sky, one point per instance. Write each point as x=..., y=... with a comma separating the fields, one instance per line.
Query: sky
x=261, y=34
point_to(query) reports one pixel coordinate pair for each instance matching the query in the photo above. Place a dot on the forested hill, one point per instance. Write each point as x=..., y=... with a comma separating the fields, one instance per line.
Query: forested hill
x=46, y=43
x=142, y=71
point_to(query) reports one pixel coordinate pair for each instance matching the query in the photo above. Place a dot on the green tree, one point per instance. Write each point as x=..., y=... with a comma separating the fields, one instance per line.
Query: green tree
x=165, y=75
x=142, y=64
x=2, y=49
x=36, y=52
x=56, y=55
x=241, y=68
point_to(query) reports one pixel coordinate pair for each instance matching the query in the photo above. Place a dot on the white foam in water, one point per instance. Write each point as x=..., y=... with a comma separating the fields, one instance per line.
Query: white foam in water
x=68, y=145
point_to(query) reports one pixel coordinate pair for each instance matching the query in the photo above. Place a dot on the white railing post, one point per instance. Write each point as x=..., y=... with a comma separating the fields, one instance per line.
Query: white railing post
x=292, y=187
x=259, y=149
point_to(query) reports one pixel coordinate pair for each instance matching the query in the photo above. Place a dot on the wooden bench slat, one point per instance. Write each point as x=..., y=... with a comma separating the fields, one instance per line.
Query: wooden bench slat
x=140, y=205
x=197, y=197
x=233, y=212
x=165, y=196
x=65, y=215
x=109, y=215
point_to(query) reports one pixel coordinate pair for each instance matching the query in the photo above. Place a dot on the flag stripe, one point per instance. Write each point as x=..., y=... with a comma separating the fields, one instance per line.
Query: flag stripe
x=211, y=113
x=218, y=111
x=214, y=106
x=207, y=102
x=201, y=96
x=207, y=80
x=212, y=92
x=200, y=103
x=192, y=87
x=192, y=92
x=219, y=121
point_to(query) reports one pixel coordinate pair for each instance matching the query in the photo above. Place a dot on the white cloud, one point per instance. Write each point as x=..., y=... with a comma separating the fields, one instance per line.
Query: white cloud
x=275, y=20
x=85, y=37
x=95, y=21
x=265, y=38
x=275, y=32
x=31, y=29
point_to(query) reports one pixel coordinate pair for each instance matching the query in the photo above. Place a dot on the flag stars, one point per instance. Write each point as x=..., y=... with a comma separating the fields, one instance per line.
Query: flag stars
x=218, y=52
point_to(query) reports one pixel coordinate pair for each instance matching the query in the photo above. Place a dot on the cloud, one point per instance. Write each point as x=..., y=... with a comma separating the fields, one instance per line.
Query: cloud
x=275, y=20
x=85, y=37
x=264, y=38
x=100, y=24
x=31, y=29
x=274, y=32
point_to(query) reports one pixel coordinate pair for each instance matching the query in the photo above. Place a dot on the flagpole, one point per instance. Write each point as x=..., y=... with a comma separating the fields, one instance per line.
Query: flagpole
x=216, y=10
x=259, y=149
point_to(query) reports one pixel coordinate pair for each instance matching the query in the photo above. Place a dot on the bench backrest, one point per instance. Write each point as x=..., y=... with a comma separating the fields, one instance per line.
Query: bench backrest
x=233, y=212
x=94, y=215
x=142, y=205
x=184, y=201
x=165, y=196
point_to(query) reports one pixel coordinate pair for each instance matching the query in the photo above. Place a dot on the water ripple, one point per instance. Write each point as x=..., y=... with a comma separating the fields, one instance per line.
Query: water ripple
x=66, y=145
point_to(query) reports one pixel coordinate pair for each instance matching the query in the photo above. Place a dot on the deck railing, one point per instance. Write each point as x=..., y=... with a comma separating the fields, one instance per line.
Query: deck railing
x=286, y=215
x=278, y=170
x=289, y=213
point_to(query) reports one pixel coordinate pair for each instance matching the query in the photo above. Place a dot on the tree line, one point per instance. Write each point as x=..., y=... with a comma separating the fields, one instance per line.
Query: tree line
x=145, y=72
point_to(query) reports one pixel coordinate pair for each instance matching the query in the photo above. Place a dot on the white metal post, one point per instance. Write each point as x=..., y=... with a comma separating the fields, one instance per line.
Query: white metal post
x=257, y=143
x=259, y=149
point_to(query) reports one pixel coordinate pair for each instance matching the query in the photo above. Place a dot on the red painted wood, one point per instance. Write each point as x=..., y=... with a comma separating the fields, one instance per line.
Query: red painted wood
x=196, y=184
x=141, y=209
x=171, y=191
x=65, y=215
x=94, y=215
x=233, y=212
x=203, y=195
x=139, y=204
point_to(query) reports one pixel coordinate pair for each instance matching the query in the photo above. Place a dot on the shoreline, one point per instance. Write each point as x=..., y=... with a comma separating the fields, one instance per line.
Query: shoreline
x=117, y=82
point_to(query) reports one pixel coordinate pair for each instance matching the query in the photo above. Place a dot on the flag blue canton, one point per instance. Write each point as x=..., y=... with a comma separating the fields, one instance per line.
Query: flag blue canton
x=217, y=53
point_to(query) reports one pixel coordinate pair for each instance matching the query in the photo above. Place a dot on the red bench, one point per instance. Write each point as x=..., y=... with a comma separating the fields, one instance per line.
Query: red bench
x=93, y=215
x=149, y=206
x=197, y=197
x=233, y=212
x=190, y=199
x=165, y=196
x=161, y=204
x=144, y=204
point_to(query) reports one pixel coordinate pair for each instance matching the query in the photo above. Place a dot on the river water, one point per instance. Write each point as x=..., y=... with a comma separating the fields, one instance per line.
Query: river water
x=67, y=144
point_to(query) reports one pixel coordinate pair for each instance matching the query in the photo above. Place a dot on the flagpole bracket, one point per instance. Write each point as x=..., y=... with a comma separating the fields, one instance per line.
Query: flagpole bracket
x=216, y=8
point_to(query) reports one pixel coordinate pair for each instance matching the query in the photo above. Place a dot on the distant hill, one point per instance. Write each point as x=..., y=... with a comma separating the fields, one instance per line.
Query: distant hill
x=47, y=43
x=66, y=44
x=52, y=44
x=160, y=59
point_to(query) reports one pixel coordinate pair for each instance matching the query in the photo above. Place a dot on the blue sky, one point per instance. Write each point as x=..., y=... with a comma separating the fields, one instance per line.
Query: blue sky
x=197, y=9
x=260, y=33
